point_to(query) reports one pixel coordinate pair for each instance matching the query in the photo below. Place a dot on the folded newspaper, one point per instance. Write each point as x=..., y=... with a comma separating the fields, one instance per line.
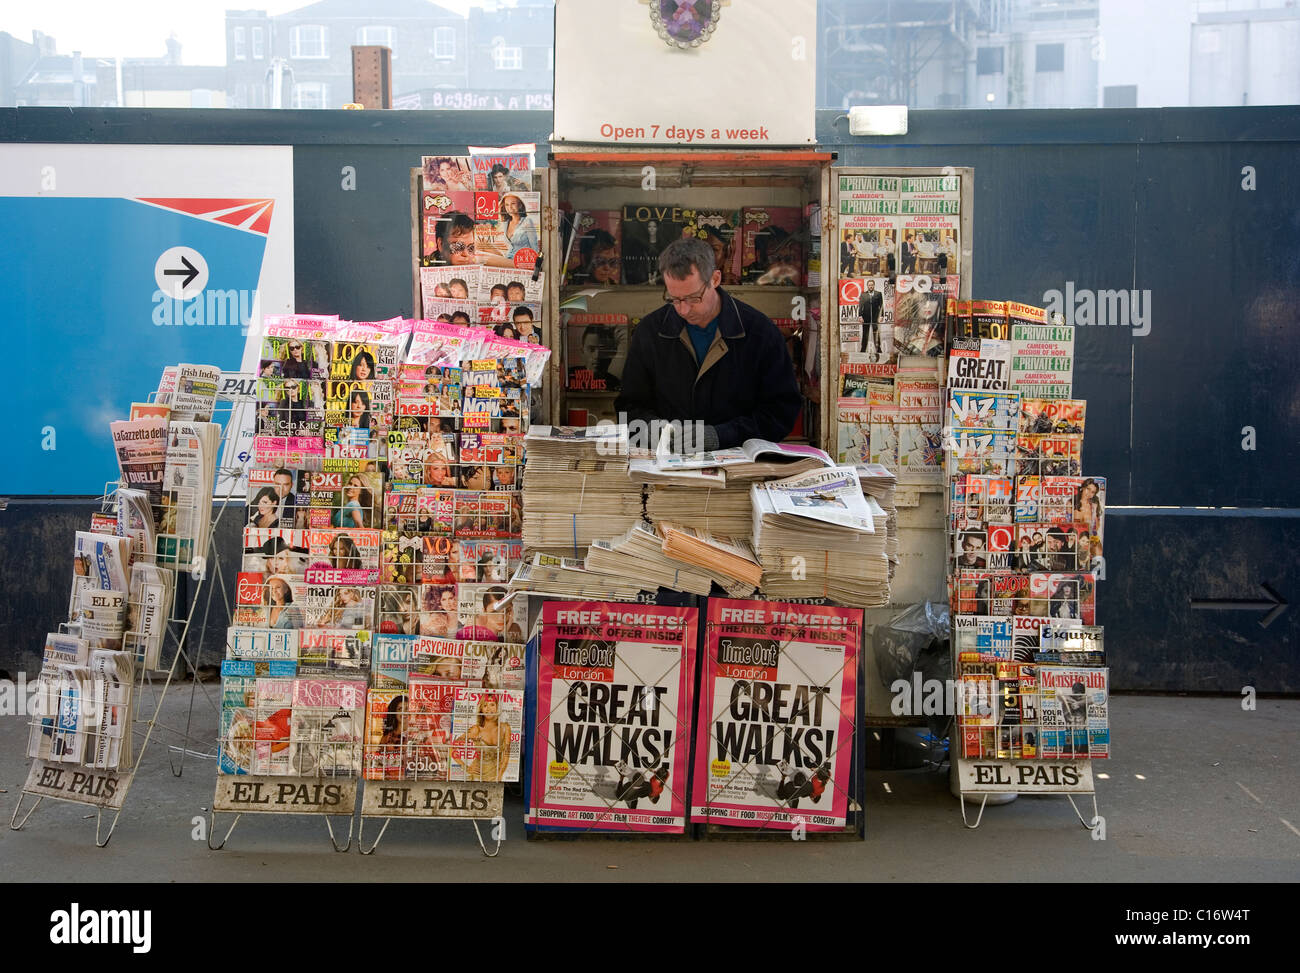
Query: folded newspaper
x=753, y=460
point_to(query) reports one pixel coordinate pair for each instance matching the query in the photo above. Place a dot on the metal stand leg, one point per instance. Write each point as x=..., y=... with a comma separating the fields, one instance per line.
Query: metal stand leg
x=99, y=817
x=18, y=807
x=330, y=825
x=361, y=846
x=1087, y=826
x=978, y=818
x=194, y=663
x=212, y=830
x=478, y=834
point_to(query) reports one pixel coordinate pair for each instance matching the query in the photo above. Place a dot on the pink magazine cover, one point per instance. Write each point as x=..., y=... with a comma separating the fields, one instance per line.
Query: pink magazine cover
x=776, y=753
x=611, y=737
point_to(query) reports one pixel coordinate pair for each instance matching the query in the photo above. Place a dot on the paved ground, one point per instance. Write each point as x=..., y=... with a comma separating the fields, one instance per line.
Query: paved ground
x=1199, y=790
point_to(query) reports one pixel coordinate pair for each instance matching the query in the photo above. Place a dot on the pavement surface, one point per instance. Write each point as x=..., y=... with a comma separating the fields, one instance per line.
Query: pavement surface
x=1199, y=790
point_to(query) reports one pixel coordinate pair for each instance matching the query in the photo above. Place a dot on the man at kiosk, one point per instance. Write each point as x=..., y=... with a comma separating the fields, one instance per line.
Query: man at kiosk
x=707, y=358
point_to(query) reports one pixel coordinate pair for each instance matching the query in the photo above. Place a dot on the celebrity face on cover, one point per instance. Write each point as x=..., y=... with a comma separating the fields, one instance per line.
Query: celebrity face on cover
x=605, y=266
x=463, y=249
x=695, y=299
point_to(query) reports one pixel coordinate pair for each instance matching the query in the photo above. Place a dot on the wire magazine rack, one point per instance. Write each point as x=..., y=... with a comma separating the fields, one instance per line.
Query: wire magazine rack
x=106, y=789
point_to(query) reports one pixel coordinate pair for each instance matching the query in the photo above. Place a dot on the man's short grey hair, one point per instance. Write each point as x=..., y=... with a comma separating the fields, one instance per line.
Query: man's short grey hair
x=684, y=255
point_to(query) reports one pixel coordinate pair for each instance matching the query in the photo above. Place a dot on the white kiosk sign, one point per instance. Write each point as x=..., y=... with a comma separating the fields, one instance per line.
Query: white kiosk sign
x=686, y=72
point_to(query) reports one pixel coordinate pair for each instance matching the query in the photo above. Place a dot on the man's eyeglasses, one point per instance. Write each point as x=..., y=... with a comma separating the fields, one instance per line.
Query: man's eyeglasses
x=690, y=300
x=608, y=262
x=462, y=248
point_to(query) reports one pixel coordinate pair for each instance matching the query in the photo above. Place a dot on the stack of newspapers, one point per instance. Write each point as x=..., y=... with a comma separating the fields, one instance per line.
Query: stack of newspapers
x=879, y=483
x=576, y=487
x=638, y=555
x=564, y=577
x=718, y=510
x=818, y=535
x=729, y=560
x=710, y=491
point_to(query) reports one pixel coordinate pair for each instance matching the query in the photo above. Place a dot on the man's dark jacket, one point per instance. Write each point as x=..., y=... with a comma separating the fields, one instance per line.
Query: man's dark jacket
x=745, y=388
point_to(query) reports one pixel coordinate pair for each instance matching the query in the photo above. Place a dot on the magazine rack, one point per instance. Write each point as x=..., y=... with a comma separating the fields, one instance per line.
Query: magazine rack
x=107, y=790
x=283, y=795
x=433, y=800
x=982, y=778
x=240, y=409
x=852, y=789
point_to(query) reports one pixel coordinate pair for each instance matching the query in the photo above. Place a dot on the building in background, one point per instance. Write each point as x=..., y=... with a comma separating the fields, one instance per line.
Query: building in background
x=1036, y=54
x=1245, y=52
x=17, y=59
x=921, y=53
x=43, y=77
x=958, y=53
x=912, y=52
x=311, y=49
x=1129, y=76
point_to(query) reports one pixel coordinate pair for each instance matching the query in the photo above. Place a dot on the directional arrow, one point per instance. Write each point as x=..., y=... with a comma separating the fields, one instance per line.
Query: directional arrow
x=1276, y=604
x=190, y=270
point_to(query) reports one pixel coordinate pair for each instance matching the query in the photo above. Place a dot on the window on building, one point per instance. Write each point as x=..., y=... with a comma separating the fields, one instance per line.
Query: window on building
x=1119, y=96
x=988, y=60
x=201, y=98
x=311, y=94
x=377, y=36
x=308, y=41
x=238, y=44
x=507, y=58
x=259, y=51
x=1049, y=57
x=444, y=43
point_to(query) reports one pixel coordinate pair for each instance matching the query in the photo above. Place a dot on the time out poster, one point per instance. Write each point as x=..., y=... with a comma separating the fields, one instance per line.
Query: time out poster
x=778, y=694
x=611, y=736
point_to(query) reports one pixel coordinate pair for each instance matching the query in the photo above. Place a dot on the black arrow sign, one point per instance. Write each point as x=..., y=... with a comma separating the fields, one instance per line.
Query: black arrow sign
x=1275, y=603
x=189, y=270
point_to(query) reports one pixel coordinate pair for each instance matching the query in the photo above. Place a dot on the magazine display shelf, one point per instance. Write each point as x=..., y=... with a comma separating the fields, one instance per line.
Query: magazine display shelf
x=310, y=796
x=1001, y=777
x=921, y=505
x=115, y=785
x=596, y=179
x=423, y=801
x=983, y=778
x=239, y=410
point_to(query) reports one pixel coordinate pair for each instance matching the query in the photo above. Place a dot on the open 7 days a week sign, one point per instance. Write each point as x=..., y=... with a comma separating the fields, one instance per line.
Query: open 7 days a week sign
x=701, y=72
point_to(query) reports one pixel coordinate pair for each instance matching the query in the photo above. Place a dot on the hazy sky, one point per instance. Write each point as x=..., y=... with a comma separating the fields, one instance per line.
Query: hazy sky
x=139, y=28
